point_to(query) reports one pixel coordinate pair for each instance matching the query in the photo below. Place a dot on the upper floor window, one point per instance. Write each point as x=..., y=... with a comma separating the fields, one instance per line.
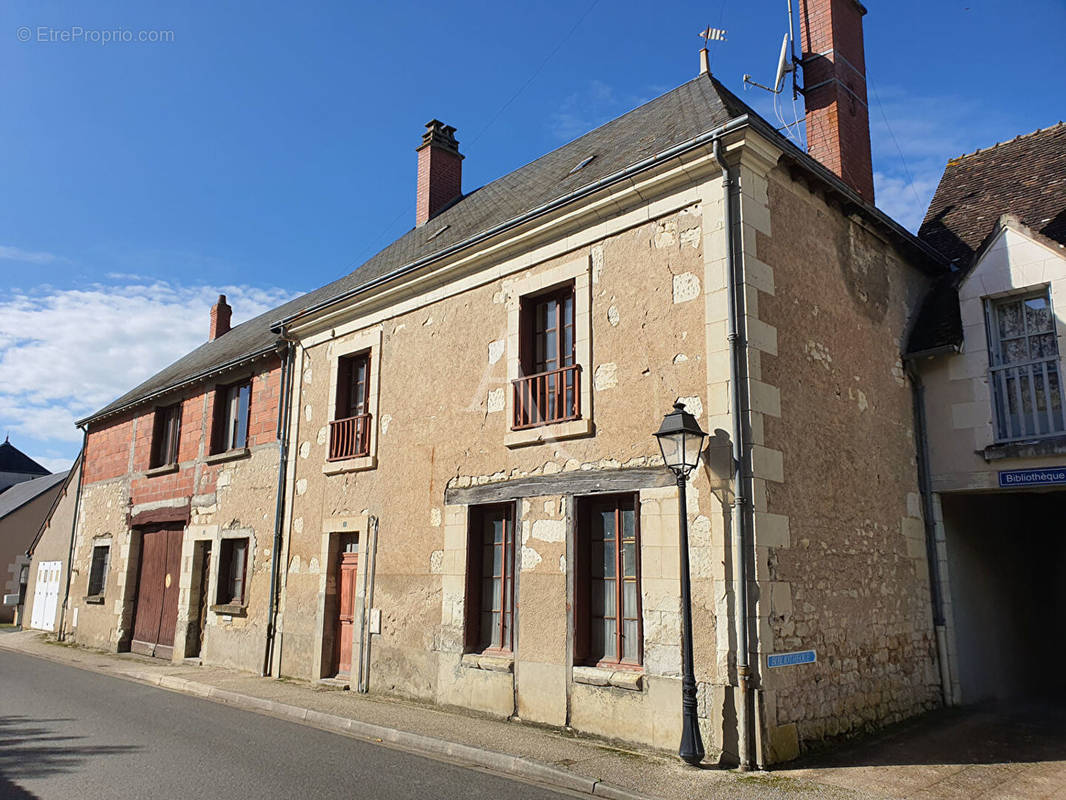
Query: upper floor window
x=349, y=434
x=1024, y=366
x=166, y=432
x=231, y=416
x=549, y=389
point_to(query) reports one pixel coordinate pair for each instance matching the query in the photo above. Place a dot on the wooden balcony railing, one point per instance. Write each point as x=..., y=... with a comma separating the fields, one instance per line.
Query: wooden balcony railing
x=349, y=438
x=547, y=397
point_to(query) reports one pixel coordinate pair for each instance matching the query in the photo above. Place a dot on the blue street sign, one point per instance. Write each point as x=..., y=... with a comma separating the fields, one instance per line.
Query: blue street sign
x=1049, y=476
x=791, y=659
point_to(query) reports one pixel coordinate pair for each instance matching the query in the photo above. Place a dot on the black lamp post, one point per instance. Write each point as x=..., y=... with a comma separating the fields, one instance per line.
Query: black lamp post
x=681, y=442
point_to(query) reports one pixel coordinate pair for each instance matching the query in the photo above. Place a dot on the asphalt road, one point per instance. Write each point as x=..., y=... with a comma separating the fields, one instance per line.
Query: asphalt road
x=68, y=733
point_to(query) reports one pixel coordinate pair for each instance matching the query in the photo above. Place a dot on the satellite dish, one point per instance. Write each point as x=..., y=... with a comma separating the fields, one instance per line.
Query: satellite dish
x=784, y=65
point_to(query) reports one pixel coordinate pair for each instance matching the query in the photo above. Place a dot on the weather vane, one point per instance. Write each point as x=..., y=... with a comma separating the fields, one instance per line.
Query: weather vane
x=712, y=35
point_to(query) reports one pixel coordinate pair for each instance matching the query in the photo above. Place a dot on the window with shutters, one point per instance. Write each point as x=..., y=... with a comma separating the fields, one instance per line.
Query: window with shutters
x=232, y=572
x=231, y=417
x=166, y=433
x=608, y=622
x=490, y=581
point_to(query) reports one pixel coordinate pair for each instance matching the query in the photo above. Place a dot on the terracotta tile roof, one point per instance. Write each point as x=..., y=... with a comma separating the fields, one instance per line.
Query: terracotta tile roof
x=1025, y=176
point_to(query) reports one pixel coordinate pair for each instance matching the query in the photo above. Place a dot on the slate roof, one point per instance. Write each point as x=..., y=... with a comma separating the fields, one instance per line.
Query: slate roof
x=14, y=460
x=21, y=493
x=696, y=107
x=1024, y=177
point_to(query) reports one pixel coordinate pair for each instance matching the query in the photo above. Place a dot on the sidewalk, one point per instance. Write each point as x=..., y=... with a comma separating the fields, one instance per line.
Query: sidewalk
x=578, y=763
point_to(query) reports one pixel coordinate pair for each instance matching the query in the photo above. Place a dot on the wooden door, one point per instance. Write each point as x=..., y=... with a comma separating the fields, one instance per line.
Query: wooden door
x=348, y=569
x=155, y=614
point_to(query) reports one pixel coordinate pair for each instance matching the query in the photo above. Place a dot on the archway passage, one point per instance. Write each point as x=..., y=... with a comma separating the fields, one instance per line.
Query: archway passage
x=1007, y=578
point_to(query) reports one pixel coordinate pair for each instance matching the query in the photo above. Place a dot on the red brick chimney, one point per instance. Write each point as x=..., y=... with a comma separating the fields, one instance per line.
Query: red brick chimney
x=834, y=78
x=440, y=171
x=220, y=317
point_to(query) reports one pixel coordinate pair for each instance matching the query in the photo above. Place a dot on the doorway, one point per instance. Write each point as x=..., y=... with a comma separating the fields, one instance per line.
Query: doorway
x=201, y=571
x=155, y=612
x=347, y=570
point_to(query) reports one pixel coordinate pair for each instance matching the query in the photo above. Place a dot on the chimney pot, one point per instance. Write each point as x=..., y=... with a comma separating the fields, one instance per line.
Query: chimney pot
x=834, y=72
x=220, y=318
x=440, y=171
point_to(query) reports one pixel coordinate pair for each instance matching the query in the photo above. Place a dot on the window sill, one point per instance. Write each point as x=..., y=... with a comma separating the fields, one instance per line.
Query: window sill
x=548, y=433
x=94, y=599
x=164, y=469
x=1029, y=448
x=349, y=465
x=227, y=455
x=230, y=609
x=629, y=679
x=489, y=663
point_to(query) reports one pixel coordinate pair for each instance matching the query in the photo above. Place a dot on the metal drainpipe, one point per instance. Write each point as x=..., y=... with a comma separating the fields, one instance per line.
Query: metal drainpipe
x=737, y=348
x=936, y=591
x=73, y=531
x=279, y=507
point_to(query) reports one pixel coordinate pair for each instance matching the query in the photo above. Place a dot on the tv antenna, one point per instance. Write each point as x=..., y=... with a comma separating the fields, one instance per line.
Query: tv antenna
x=786, y=65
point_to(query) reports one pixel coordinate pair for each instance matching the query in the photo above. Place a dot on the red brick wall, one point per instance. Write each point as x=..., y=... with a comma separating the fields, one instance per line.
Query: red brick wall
x=109, y=442
x=440, y=180
x=838, y=120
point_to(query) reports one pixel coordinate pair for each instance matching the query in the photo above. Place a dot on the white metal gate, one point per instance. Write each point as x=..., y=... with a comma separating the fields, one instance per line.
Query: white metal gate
x=46, y=595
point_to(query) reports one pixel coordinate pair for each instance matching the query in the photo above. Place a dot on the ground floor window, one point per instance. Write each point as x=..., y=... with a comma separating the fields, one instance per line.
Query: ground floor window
x=607, y=608
x=98, y=569
x=490, y=579
x=232, y=567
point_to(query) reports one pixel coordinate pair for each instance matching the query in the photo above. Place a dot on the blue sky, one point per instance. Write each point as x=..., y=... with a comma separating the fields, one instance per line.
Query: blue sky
x=265, y=149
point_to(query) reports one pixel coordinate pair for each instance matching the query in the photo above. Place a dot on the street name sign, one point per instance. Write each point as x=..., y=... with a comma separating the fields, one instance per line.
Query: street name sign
x=791, y=659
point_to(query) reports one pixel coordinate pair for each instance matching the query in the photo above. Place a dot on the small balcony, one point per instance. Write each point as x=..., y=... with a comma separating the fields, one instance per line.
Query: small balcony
x=1028, y=400
x=547, y=398
x=349, y=438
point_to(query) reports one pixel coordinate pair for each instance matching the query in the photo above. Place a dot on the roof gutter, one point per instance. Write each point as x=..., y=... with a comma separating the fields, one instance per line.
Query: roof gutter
x=266, y=350
x=651, y=161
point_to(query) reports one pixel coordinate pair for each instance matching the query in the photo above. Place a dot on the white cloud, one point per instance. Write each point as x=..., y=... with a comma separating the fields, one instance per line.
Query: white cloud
x=8, y=253
x=65, y=353
x=54, y=465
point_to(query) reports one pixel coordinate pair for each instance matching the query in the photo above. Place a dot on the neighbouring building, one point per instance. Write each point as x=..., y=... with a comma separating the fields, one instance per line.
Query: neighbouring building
x=988, y=348
x=472, y=509
x=178, y=502
x=23, y=508
x=16, y=466
x=49, y=556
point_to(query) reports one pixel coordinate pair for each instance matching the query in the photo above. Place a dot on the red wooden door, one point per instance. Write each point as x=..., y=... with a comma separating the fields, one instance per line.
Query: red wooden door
x=155, y=614
x=349, y=567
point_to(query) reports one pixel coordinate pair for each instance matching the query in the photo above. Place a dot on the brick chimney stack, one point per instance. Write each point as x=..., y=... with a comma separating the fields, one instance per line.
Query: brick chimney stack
x=440, y=171
x=834, y=77
x=220, y=317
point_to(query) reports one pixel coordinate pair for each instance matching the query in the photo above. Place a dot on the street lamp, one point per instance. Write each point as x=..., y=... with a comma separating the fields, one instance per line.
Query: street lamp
x=681, y=442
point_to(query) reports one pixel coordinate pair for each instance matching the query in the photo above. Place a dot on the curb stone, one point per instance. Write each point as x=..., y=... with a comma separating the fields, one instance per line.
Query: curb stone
x=419, y=744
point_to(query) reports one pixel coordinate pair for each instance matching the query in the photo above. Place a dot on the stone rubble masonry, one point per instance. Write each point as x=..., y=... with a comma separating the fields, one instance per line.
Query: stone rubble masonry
x=229, y=497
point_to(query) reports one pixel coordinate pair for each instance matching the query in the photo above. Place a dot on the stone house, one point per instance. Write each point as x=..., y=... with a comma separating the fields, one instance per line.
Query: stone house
x=987, y=350
x=175, y=530
x=450, y=489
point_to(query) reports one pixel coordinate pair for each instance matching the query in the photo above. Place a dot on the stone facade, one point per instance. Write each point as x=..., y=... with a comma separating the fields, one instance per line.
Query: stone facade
x=211, y=496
